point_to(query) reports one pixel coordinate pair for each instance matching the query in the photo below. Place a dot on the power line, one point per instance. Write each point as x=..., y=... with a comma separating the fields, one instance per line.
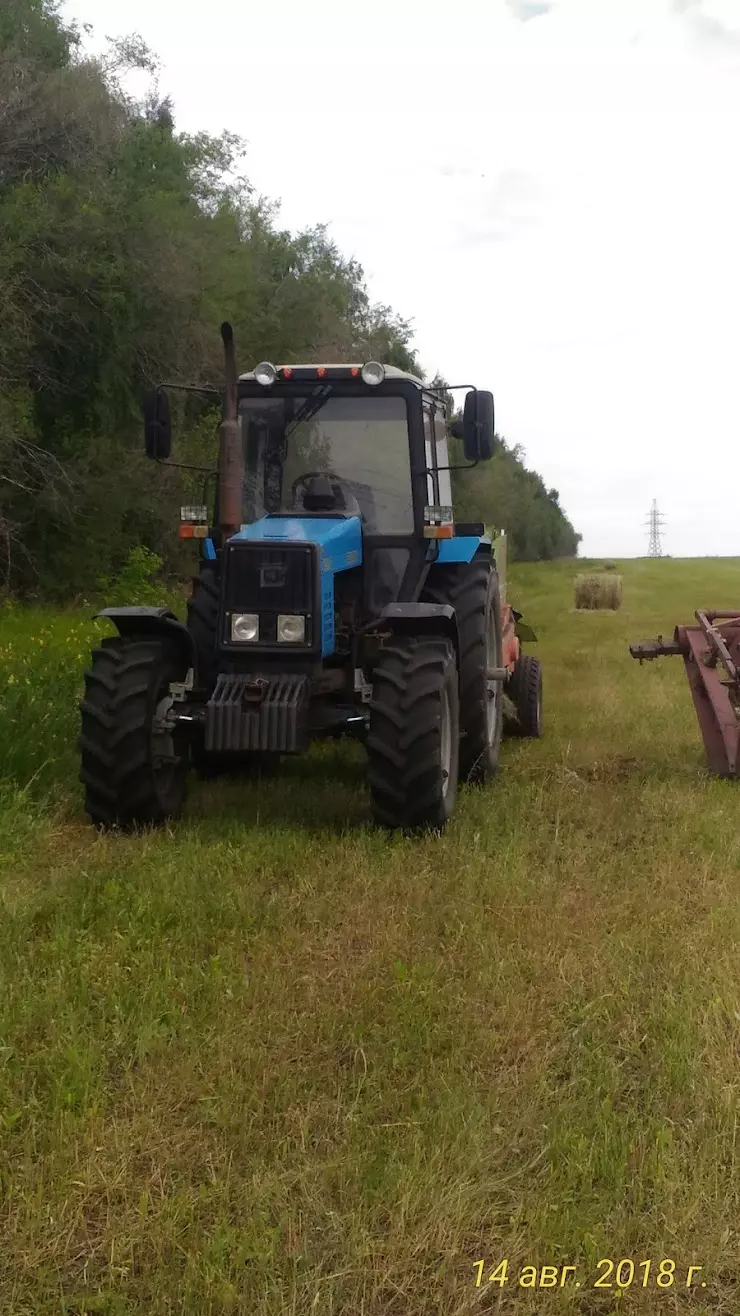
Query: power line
x=655, y=523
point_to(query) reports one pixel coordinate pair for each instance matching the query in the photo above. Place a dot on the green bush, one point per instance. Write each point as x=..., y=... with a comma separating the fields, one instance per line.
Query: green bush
x=134, y=583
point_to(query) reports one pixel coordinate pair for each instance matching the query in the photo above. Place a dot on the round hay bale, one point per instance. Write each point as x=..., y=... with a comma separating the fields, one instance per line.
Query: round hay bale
x=596, y=589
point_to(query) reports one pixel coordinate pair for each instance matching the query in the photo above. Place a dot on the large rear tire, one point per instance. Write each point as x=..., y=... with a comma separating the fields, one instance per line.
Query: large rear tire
x=413, y=737
x=134, y=767
x=202, y=622
x=472, y=589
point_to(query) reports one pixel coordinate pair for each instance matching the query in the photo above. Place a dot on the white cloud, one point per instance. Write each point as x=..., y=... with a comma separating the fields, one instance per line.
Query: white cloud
x=527, y=9
x=551, y=196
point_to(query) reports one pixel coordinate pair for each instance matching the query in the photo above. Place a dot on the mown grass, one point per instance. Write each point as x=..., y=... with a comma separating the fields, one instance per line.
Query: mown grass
x=270, y=1061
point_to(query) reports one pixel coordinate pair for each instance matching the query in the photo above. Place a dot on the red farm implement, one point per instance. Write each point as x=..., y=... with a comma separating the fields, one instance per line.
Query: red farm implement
x=711, y=654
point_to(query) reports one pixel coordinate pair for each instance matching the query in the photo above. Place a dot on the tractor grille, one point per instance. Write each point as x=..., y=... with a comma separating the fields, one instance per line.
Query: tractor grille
x=270, y=580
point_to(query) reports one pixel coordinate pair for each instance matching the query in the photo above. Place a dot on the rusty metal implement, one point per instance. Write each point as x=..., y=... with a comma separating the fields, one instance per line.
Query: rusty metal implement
x=711, y=655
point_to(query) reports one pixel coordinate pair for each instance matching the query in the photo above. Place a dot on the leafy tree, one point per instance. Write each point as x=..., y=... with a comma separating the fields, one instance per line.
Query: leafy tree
x=125, y=243
x=504, y=494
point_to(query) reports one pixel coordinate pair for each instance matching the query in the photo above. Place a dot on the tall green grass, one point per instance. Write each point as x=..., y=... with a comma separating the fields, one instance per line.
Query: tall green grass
x=269, y=1060
x=43, y=656
x=42, y=660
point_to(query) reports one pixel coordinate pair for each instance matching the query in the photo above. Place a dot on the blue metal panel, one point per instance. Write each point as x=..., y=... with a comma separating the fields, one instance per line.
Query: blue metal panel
x=463, y=548
x=339, y=542
x=328, y=638
x=340, y=538
x=209, y=551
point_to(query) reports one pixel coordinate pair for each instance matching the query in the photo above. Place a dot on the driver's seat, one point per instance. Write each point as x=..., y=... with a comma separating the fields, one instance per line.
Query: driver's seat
x=322, y=496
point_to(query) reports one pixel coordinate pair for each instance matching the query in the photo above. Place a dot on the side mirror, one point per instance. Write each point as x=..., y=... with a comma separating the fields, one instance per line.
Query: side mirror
x=157, y=425
x=478, y=426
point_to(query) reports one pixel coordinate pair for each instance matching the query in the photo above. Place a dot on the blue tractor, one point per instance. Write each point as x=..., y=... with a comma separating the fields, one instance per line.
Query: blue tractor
x=336, y=595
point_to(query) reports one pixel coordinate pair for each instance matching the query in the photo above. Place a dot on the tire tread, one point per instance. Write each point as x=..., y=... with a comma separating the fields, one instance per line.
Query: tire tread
x=465, y=586
x=121, y=787
x=403, y=740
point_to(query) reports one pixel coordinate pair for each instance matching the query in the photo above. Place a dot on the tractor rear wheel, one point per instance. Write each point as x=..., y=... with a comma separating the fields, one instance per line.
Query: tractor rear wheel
x=473, y=590
x=202, y=622
x=413, y=737
x=524, y=689
x=134, y=763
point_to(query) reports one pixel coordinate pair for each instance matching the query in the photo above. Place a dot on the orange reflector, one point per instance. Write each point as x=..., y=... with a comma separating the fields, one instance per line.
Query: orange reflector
x=321, y=372
x=193, y=531
x=355, y=371
x=288, y=371
x=439, y=532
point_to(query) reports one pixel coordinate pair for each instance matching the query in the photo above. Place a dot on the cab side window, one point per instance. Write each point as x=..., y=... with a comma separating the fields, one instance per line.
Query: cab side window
x=429, y=449
x=442, y=455
x=439, y=487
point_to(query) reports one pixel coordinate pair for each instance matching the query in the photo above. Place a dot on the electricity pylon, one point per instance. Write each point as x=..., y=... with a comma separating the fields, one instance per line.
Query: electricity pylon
x=655, y=523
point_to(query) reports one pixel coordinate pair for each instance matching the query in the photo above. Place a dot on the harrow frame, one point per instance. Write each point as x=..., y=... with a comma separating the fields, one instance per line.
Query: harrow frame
x=711, y=655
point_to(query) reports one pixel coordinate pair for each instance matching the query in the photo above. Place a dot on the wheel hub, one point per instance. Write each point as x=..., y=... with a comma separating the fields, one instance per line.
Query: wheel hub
x=164, y=753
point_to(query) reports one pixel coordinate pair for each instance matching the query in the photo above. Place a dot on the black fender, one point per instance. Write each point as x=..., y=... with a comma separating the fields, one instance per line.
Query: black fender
x=422, y=619
x=146, y=623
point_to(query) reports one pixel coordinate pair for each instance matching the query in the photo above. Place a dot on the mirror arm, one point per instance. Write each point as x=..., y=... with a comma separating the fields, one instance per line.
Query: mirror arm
x=468, y=467
x=183, y=466
x=193, y=388
x=427, y=470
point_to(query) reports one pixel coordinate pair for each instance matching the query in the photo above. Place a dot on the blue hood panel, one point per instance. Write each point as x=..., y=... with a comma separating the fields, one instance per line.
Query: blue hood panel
x=339, y=540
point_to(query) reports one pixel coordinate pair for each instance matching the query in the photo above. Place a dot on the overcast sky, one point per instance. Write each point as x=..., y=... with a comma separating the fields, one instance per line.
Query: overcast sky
x=548, y=189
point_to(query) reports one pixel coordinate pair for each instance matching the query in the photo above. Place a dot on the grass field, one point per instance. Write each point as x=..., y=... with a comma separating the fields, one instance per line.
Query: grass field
x=269, y=1061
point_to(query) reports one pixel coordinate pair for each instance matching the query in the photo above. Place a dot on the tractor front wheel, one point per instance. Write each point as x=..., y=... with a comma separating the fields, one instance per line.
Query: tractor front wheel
x=134, y=760
x=473, y=590
x=413, y=736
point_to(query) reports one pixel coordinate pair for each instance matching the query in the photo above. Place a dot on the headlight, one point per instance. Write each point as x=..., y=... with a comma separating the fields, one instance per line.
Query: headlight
x=373, y=372
x=245, y=627
x=265, y=374
x=290, y=629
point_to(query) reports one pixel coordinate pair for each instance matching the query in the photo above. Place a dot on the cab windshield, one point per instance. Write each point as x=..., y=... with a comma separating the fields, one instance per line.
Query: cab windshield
x=362, y=441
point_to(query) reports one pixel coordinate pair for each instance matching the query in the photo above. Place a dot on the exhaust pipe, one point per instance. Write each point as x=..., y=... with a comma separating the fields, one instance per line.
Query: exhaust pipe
x=230, y=459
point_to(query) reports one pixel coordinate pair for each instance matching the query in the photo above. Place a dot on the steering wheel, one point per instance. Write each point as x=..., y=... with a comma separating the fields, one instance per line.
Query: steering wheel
x=311, y=475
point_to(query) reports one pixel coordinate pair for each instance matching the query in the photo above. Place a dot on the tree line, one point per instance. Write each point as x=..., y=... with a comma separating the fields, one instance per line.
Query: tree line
x=505, y=495
x=125, y=243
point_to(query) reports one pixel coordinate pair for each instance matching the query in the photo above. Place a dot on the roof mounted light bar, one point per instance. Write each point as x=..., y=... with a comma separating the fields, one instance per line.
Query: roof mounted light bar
x=266, y=374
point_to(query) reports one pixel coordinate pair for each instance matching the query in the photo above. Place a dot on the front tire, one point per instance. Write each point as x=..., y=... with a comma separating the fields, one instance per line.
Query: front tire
x=414, y=732
x=134, y=767
x=473, y=591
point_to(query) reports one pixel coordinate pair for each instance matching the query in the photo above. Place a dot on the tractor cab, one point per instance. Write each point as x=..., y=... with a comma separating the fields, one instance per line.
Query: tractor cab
x=336, y=595
x=317, y=444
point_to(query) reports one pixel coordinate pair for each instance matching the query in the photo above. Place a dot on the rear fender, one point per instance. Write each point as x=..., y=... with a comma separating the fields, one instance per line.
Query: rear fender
x=144, y=623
